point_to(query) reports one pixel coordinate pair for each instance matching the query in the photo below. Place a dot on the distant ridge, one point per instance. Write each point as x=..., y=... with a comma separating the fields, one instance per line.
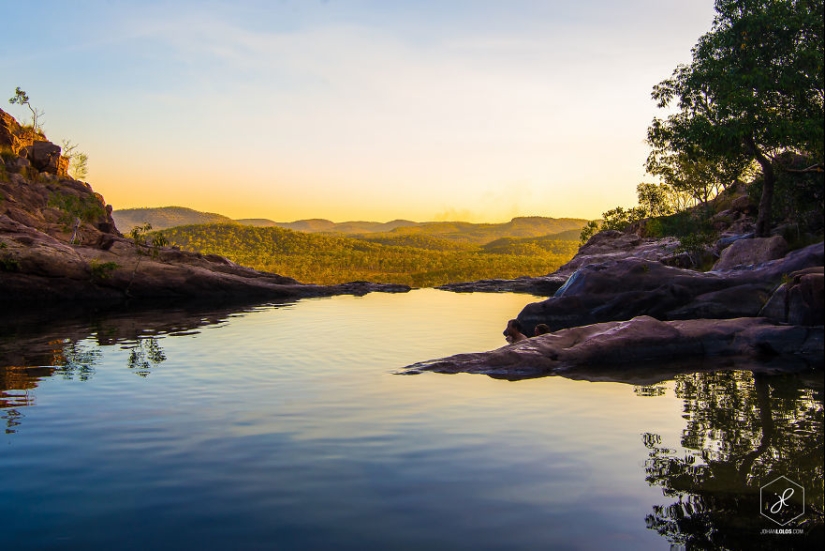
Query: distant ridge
x=317, y=225
x=566, y=229
x=162, y=218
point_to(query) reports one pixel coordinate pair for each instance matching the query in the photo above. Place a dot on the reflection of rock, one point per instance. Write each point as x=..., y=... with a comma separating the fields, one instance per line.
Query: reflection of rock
x=641, y=340
x=540, y=286
x=28, y=344
x=25, y=346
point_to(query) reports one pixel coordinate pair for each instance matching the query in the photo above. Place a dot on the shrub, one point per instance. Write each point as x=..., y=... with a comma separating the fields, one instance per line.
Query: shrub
x=87, y=209
x=102, y=270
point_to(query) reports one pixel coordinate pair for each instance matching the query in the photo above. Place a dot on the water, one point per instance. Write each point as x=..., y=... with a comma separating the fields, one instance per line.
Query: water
x=285, y=426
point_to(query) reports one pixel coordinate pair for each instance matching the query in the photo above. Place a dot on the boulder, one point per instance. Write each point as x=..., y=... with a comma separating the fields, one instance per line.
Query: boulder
x=800, y=301
x=13, y=135
x=624, y=346
x=614, y=245
x=45, y=157
x=751, y=252
x=618, y=290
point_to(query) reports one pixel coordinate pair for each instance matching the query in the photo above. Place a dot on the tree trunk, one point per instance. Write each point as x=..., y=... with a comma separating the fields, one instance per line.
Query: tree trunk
x=763, y=220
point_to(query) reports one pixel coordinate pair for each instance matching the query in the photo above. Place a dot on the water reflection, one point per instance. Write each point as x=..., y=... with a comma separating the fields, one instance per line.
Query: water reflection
x=743, y=430
x=145, y=355
x=65, y=342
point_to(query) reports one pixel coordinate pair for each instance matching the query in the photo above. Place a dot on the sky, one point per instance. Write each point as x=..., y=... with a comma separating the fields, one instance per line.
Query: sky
x=424, y=110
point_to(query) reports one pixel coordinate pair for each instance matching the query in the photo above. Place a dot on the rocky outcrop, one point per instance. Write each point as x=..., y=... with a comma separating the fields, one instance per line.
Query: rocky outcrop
x=800, y=300
x=602, y=247
x=751, y=252
x=615, y=350
x=45, y=157
x=58, y=242
x=622, y=289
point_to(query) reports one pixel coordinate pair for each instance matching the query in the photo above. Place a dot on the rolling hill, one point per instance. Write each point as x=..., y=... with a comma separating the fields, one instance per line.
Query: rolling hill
x=165, y=217
x=418, y=260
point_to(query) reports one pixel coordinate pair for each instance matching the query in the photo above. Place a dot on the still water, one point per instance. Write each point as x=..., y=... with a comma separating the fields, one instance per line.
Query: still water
x=286, y=426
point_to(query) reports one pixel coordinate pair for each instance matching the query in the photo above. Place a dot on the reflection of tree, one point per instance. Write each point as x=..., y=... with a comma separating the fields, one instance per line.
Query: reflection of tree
x=144, y=355
x=73, y=359
x=742, y=431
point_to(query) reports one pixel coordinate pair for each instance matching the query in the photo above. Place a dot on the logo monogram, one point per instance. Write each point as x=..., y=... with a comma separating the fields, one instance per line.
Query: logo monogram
x=782, y=500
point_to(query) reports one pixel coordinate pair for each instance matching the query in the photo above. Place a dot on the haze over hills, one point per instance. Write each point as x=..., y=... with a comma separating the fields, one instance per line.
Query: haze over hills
x=323, y=225
x=163, y=218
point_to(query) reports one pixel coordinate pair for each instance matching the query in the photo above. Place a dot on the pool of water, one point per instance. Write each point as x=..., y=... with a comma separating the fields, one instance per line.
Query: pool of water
x=287, y=426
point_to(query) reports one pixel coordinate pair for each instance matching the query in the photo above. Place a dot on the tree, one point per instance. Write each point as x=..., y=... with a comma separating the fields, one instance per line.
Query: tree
x=753, y=91
x=78, y=161
x=21, y=98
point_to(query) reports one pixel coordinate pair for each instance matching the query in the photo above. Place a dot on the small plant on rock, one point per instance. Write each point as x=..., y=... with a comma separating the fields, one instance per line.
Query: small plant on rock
x=102, y=270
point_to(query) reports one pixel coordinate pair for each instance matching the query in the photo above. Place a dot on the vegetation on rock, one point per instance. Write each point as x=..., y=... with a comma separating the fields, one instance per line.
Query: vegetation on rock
x=749, y=110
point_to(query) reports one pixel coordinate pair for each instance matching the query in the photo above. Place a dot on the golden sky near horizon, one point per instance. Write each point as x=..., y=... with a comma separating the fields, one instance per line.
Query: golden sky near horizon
x=354, y=110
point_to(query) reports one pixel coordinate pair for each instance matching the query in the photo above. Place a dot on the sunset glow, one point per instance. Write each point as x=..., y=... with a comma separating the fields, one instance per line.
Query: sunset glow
x=350, y=110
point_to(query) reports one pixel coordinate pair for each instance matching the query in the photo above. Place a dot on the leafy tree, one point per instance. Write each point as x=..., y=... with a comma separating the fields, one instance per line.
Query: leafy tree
x=21, y=98
x=753, y=91
x=655, y=199
x=78, y=161
x=588, y=231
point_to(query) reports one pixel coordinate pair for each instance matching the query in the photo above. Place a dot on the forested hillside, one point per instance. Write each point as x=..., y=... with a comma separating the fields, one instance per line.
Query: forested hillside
x=419, y=260
x=164, y=217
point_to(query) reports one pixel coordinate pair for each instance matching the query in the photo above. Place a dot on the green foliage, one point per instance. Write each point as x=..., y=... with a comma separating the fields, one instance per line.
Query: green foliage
x=158, y=242
x=799, y=194
x=165, y=217
x=102, y=270
x=139, y=235
x=328, y=259
x=9, y=264
x=681, y=224
x=656, y=199
x=588, y=231
x=21, y=98
x=87, y=209
x=753, y=91
x=78, y=161
x=619, y=218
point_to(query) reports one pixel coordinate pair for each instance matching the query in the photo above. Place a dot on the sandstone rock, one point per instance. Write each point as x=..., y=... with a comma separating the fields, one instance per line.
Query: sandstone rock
x=45, y=157
x=613, y=245
x=751, y=252
x=13, y=135
x=541, y=286
x=619, y=290
x=801, y=301
x=617, y=346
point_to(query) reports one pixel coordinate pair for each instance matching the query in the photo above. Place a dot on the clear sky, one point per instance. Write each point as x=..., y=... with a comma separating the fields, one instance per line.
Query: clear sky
x=353, y=110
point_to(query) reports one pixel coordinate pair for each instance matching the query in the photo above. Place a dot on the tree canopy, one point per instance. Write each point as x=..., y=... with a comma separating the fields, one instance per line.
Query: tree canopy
x=753, y=92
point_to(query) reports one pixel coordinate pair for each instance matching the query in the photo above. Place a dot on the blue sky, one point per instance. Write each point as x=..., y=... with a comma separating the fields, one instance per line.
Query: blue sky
x=353, y=109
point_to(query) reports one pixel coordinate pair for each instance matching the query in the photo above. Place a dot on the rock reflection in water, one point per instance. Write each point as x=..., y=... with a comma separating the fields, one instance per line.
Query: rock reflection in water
x=743, y=430
x=30, y=351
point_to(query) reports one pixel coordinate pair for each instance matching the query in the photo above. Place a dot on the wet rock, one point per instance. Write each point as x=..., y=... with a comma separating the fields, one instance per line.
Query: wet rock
x=541, y=286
